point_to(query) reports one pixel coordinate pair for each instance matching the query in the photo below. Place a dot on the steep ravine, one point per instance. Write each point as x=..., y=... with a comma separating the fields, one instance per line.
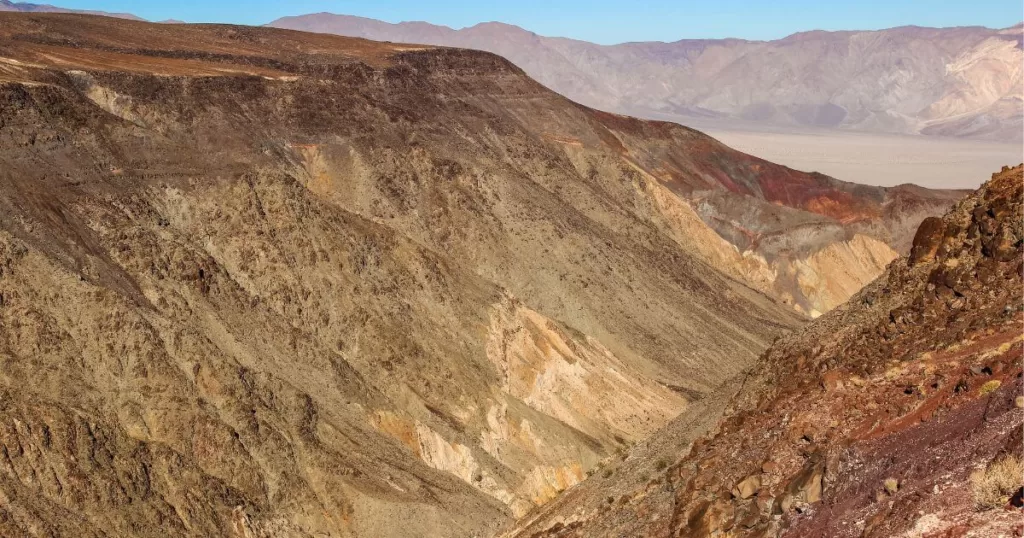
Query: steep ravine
x=898, y=414
x=257, y=282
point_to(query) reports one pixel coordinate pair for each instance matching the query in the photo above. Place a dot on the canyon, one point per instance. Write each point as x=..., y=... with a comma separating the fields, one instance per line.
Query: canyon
x=262, y=282
x=889, y=416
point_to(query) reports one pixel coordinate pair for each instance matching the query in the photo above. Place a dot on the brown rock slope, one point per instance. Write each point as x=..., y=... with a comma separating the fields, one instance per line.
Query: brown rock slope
x=266, y=283
x=896, y=414
x=805, y=239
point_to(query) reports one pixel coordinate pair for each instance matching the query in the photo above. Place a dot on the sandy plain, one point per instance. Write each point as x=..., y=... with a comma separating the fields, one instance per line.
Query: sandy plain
x=868, y=158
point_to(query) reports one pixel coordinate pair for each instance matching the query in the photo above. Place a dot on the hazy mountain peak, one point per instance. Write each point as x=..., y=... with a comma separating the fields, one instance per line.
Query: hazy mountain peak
x=499, y=26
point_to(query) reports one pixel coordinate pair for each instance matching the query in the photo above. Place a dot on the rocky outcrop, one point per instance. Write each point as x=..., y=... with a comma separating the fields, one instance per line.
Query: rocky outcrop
x=812, y=281
x=808, y=240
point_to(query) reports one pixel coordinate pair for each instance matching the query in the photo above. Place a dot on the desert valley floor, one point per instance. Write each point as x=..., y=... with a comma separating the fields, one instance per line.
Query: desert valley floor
x=869, y=158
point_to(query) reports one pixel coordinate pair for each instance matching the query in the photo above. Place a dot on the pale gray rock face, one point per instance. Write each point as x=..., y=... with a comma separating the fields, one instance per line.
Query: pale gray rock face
x=949, y=81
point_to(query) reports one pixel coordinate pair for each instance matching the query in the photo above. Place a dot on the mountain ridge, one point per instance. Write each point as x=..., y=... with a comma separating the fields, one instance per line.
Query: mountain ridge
x=623, y=43
x=27, y=7
x=979, y=99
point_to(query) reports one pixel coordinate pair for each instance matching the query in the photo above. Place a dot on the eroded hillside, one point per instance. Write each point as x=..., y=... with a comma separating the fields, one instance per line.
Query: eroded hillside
x=257, y=282
x=896, y=414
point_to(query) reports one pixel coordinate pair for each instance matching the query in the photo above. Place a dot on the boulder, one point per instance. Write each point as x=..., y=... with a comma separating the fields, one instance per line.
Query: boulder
x=710, y=517
x=747, y=487
x=764, y=502
x=806, y=486
x=927, y=240
x=832, y=380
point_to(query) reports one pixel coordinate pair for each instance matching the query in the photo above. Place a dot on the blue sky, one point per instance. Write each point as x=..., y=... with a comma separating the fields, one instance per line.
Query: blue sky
x=601, y=21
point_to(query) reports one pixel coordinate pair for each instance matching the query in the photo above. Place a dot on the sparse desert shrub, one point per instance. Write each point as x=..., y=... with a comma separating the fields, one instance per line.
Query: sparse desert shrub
x=891, y=486
x=992, y=487
x=661, y=464
x=990, y=387
x=607, y=473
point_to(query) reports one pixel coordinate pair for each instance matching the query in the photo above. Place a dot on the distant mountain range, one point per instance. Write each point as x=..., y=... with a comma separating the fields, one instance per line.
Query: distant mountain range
x=943, y=81
x=25, y=7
